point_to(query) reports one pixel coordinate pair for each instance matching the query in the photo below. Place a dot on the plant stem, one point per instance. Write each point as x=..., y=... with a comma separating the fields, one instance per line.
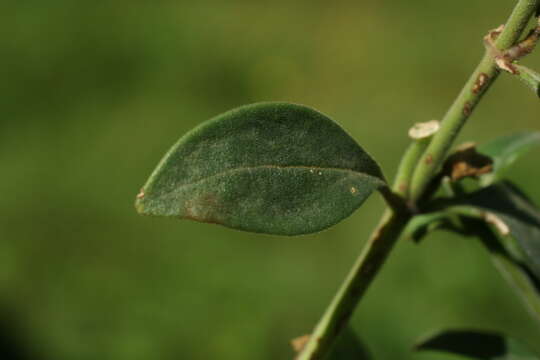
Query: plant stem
x=384, y=237
x=367, y=265
x=394, y=200
x=337, y=315
x=407, y=166
x=485, y=74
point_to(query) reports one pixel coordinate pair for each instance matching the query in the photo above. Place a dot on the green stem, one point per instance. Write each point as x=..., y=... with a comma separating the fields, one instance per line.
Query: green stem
x=485, y=74
x=407, y=166
x=384, y=237
x=366, y=267
x=337, y=315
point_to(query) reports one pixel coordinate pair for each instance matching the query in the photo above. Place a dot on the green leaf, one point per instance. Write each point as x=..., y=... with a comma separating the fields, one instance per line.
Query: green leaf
x=504, y=206
x=274, y=168
x=505, y=150
x=529, y=77
x=420, y=225
x=348, y=347
x=516, y=252
x=476, y=345
x=516, y=274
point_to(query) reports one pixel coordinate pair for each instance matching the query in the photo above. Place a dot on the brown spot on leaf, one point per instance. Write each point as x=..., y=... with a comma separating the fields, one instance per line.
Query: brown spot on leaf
x=140, y=195
x=299, y=343
x=204, y=208
x=467, y=162
x=429, y=159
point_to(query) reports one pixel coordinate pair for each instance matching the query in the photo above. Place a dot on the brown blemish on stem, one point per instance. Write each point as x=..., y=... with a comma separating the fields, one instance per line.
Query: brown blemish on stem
x=506, y=65
x=467, y=109
x=299, y=343
x=481, y=81
x=429, y=159
x=505, y=59
x=526, y=46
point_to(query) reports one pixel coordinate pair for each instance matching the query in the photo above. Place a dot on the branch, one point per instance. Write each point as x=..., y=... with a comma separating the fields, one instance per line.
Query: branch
x=337, y=315
x=485, y=74
x=384, y=237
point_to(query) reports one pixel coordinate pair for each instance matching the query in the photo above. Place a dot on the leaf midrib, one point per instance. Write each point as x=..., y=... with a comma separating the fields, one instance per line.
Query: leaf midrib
x=300, y=167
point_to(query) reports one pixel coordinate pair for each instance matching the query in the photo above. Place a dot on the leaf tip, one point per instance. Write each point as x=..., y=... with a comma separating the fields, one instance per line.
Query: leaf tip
x=144, y=204
x=139, y=202
x=141, y=194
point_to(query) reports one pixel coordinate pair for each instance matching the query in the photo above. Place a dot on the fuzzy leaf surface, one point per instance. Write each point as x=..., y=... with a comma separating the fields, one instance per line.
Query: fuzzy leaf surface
x=505, y=150
x=274, y=168
x=476, y=344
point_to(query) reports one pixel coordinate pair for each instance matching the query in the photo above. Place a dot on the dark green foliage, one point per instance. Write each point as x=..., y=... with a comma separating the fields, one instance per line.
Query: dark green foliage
x=497, y=213
x=514, y=216
x=529, y=77
x=500, y=204
x=505, y=150
x=420, y=225
x=349, y=347
x=275, y=168
x=513, y=240
x=476, y=344
x=519, y=218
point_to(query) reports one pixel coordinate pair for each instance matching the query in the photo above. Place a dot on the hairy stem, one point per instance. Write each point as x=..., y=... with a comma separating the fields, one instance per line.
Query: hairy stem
x=384, y=237
x=485, y=74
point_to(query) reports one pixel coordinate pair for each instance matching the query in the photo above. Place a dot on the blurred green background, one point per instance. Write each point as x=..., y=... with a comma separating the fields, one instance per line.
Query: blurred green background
x=94, y=92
